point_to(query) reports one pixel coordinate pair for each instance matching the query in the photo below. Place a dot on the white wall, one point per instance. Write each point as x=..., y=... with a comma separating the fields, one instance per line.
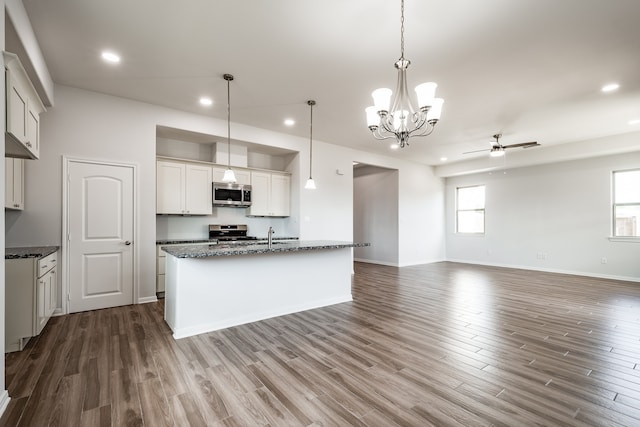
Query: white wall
x=554, y=217
x=421, y=211
x=375, y=214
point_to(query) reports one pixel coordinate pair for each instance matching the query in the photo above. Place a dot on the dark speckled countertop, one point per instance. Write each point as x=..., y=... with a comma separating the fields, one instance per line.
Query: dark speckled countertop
x=180, y=242
x=223, y=249
x=29, y=252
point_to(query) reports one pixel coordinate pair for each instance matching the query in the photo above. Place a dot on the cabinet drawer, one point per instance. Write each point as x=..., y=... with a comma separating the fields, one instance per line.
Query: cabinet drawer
x=47, y=263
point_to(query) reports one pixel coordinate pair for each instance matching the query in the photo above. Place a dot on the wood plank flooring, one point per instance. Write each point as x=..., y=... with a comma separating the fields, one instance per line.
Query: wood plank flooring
x=442, y=344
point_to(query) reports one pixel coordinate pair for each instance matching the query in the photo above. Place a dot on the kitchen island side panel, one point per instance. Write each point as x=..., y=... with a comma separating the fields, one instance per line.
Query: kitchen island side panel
x=207, y=294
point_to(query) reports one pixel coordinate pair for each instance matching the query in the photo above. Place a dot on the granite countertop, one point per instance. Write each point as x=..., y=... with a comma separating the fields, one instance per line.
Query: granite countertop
x=246, y=242
x=224, y=249
x=29, y=252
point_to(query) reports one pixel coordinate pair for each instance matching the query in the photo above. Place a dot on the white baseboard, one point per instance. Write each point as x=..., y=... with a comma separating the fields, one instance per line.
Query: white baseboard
x=4, y=401
x=146, y=300
x=373, y=261
x=550, y=270
x=394, y=264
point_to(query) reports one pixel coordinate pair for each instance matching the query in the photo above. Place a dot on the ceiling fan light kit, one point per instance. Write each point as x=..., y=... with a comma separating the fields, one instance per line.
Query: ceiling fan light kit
x=498, y=150
x=401, y=120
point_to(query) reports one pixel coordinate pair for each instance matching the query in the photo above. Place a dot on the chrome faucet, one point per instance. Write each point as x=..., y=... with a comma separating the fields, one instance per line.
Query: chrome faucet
x=270, y=236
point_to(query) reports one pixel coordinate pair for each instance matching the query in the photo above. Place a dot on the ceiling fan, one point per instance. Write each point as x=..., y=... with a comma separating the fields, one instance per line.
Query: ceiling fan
x=497, y=149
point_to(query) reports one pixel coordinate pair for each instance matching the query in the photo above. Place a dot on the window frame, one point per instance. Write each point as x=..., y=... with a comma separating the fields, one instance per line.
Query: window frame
x=483, y=210
x=614, y=236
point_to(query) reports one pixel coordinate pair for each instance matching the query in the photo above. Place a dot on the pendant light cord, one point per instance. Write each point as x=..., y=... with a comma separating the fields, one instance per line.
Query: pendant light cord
x=228, y=78
x=402, y=29
x=311, y=103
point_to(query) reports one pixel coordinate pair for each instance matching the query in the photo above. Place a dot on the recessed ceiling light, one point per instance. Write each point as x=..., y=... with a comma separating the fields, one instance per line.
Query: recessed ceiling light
x=110, y=57
x=289, y=122
x=206, y=101
x=443, y=159
x=634, y=122
x=610, y=87
x=394, y=146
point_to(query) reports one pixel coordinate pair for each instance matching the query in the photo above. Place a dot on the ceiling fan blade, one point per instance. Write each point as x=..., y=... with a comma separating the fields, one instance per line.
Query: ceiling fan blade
x=522, y=145
x=476, y=151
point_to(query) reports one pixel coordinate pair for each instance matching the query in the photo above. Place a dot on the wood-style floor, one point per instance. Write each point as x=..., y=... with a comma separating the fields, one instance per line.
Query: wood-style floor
x=440, y=344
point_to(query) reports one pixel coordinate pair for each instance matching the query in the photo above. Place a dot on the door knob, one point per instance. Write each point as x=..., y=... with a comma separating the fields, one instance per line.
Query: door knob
x=127, y=243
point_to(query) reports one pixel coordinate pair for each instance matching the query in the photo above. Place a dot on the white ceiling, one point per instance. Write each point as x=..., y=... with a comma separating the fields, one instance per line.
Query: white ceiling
x=530, y=69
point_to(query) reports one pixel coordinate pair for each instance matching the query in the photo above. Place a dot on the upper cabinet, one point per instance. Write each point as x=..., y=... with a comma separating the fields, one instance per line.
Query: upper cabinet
x=23, y=109
x=270, y=194
x=183, y=188
x=14, y=184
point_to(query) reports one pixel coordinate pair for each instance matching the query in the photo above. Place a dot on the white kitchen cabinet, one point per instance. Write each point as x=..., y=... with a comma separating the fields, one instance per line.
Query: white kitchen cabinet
x=183, y=188
x=243, y=176
x=14, y=183
x=31, y=298
x=23, y=109
x=270, y=194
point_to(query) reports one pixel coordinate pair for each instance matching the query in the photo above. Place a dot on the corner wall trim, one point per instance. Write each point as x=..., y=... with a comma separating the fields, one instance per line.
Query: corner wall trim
x=4, y=401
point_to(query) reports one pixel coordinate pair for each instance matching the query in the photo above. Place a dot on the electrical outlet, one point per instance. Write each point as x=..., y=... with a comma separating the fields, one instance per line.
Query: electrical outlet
x=603, y=260
x=542, y=255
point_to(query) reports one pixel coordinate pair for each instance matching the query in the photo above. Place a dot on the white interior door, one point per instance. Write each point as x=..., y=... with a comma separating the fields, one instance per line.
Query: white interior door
x=100, y=235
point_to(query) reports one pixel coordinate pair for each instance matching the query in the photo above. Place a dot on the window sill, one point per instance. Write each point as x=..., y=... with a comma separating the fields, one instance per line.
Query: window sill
x=624, y=239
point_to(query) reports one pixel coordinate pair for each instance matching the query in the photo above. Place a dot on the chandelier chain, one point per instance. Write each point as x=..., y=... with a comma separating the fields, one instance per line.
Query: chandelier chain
x=402, y=30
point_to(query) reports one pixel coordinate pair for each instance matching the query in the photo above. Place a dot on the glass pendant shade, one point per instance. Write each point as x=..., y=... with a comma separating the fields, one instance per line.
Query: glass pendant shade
x=435, y=111
x=426, y=93
x=382, y=99
x=229, y=176
x=310, y=185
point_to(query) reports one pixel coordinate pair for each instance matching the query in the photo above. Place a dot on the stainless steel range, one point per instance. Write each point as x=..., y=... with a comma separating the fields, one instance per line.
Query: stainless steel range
x=229, y=232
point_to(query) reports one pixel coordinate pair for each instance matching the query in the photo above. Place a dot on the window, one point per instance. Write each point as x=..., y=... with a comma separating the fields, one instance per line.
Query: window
x=626, y=203
x=470, y=209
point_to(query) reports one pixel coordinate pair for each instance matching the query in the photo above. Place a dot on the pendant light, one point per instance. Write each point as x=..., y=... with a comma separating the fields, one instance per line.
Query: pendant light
x=310, y=185
x=229, y=176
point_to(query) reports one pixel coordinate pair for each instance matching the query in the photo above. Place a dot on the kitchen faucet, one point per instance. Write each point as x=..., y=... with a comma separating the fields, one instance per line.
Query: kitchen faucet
x=269, y=236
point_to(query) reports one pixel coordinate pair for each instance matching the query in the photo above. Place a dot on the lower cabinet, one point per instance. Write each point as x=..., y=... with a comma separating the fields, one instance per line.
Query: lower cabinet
x=31, y=298
x=161, y=259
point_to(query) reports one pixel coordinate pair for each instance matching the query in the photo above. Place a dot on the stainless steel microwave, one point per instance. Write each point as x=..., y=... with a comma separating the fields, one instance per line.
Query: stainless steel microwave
x=231, y=195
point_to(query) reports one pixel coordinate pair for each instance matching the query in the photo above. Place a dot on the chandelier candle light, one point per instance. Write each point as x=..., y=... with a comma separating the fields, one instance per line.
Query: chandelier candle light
x=228, y=176
x=401, y=120
x=310, y=185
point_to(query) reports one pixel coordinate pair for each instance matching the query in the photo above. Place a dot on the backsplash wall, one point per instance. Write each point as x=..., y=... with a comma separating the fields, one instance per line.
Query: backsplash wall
x=176, y=227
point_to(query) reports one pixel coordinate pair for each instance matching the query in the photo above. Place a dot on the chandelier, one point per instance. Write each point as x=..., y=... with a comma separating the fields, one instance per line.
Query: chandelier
x=401, y=120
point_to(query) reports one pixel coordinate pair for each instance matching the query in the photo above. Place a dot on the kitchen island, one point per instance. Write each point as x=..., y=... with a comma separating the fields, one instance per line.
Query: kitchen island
x=211, y=287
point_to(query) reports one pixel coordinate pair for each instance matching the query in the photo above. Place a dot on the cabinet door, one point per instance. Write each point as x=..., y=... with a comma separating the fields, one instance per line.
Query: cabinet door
x=33, y=129
x=14, y=183
x=198, y=190
x=16, y=109
x=170, y=187
x=218, y=173
x=52, y=294
x=260, y=189
x=42, y=294
x=243, y=176
x=280, y=189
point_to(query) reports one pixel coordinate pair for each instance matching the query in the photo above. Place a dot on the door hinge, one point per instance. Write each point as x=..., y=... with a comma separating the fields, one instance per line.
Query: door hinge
x=69, y=297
